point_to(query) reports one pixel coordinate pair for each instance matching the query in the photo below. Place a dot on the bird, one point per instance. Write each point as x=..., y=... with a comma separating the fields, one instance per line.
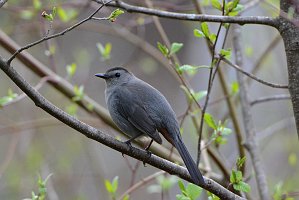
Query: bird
x=139, y=109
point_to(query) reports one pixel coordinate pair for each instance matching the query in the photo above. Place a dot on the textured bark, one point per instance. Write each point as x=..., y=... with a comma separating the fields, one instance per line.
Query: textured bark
x=289, y=30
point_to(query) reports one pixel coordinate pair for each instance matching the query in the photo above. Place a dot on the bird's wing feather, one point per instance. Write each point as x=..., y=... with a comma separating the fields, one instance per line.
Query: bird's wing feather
x=131, y=108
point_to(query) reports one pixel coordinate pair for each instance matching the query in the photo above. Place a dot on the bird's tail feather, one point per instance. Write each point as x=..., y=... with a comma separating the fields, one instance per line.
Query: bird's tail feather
x=190, y=164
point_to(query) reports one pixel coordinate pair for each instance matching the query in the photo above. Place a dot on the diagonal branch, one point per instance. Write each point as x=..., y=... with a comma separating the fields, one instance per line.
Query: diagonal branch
x=105, y=139
x=252, y=76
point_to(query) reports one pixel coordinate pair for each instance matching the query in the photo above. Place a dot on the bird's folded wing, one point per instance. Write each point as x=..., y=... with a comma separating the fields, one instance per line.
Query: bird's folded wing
x=136, y=114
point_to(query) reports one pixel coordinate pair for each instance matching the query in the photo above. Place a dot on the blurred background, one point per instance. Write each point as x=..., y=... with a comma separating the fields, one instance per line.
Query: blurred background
x=33, y=143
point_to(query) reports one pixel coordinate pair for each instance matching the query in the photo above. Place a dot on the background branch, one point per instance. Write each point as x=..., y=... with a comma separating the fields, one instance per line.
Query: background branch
x=251, y=142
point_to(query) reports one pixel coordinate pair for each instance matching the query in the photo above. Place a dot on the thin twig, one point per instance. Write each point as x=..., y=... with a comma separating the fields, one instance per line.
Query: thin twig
x=231, y=108
x=141, y=183
x=210, y=84
x=252, y=76
x=264, y=55
x=48, y=37
x=270, y=98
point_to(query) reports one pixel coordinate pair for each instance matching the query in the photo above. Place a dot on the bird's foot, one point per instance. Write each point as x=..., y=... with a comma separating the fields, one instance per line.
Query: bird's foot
x=147, y=158
x=129, y=144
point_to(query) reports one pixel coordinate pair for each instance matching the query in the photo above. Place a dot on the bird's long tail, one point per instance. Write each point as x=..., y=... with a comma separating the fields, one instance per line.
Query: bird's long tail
x=190, y=164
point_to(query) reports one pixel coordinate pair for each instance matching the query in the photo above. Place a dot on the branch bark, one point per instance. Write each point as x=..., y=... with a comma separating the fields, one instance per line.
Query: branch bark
x=251, y=142
x=290, y=35
x=269, y=21
x=105, y=139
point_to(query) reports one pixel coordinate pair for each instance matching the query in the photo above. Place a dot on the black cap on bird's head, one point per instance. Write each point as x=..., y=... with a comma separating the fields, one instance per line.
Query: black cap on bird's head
x=115, y=75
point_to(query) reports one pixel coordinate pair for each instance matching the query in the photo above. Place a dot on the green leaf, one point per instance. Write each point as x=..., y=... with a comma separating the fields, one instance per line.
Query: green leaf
x=105, y=51
x=193, y=191
x=79, y=93
x=6, y=99
x=235, y=87
x=236, y=176
x=47, y=16
x=242, y=186
x=37, y=4
x=248, y=51
x=235, y=4
x=66, y=15
x=205, y=29
x=231, y=5
x=166, y=182
x=220, y=140
x=198, y=33
x=240, y=162
x=292, y=159
x=216, y=4
x=90, y=106
x=181, y=185
x=278, y=191
x=54, y=11
x=210, y=121
x=225, y=131
x=182, y=197
x=34, y=196
x=236, y=10
x=164, y=50
x=199, y=95
x=212, y=37
x=226, y=53
x=126, y=197
x=26, y=14
x=42, y=190
x=115, y=14
x=71, y=69
x=72, y=109
x=108, y=186
x=115, y=184
x=175, y=47
x=212, y=196
x=190, y=69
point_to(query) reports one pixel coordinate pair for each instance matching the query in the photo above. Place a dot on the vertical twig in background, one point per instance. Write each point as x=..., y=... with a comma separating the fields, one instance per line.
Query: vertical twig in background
x=230, y=104
x=251, y=142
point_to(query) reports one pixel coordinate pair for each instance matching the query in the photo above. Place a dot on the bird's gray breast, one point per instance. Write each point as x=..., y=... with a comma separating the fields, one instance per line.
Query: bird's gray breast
x=114, y=101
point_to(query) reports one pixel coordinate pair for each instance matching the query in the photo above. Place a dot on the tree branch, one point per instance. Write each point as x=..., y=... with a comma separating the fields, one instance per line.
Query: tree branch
x=269, y=21
x=251, y=142
x=2, y=2
x=270, y=98
x=290, y=35
x=252, y=76
x=105, y=139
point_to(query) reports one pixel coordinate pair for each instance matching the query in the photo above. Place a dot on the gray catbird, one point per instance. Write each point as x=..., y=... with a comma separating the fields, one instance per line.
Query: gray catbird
x=139, y=109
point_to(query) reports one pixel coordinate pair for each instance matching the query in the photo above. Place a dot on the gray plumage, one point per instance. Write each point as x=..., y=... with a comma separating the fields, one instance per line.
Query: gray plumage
x=138, y=109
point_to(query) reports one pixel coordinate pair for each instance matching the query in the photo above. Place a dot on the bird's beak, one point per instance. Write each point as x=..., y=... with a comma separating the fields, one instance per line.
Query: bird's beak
x=104, y=76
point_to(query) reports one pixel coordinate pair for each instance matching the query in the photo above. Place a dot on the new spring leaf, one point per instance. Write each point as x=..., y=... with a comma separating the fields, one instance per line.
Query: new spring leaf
x=115, y=14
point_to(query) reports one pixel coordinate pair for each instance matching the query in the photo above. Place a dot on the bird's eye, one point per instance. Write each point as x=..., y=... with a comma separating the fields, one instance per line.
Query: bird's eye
x=117, y=74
